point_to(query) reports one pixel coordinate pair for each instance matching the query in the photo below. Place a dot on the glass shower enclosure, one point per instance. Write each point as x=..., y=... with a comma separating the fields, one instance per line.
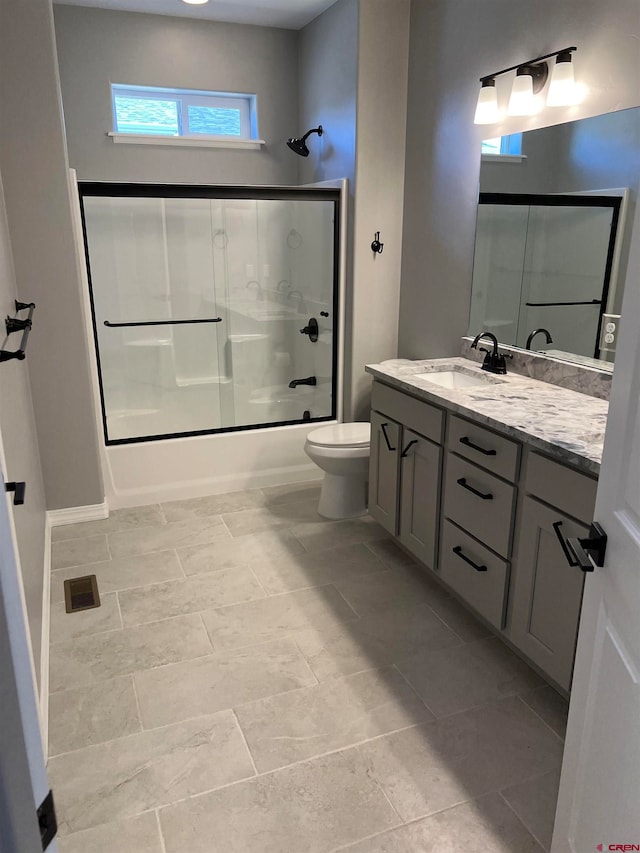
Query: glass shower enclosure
x=214, y=308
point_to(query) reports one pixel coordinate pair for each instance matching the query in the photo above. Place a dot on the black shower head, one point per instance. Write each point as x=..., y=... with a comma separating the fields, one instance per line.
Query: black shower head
x=299, y=145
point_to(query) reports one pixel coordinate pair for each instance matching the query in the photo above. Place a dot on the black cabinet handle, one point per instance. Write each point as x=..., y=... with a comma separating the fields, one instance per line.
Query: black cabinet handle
x=18, y=490
x=383, y=427
x=485, y=497
x=459, y=553
x=466, y=441
x=405, y=452
x=571, y=559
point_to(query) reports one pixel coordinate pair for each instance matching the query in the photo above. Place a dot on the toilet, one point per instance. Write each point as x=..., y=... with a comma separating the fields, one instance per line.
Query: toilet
x=342, y=451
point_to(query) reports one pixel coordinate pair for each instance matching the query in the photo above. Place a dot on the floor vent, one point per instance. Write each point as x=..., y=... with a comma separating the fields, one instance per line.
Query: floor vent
x=81, y=593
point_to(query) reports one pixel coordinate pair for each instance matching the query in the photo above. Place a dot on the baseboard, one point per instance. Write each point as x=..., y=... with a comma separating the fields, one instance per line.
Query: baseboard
x=44, y=642
x=75, y=514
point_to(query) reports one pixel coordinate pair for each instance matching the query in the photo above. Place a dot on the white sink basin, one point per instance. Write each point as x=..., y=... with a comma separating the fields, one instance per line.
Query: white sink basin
x=456, y=379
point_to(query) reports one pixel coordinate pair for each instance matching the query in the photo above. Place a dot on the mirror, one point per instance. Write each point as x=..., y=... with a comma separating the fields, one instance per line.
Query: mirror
x=553, y=235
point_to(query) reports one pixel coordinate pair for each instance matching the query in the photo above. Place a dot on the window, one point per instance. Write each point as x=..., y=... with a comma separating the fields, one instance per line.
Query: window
x=183, y=114
x=503, y=146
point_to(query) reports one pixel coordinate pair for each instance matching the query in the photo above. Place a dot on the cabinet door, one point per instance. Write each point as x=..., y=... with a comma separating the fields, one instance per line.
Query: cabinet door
x=384, y=471
x=547, y=592
x=420, y=464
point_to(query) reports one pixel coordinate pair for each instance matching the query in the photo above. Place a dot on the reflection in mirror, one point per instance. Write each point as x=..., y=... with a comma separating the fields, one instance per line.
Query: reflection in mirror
x=552, y=237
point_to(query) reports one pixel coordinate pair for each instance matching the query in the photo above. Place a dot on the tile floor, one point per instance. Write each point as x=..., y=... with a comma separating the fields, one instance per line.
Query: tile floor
x=260, y=680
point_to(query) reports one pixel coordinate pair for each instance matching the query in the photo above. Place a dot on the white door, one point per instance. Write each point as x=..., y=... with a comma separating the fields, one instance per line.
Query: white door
x=23, y=780
x=599, y=800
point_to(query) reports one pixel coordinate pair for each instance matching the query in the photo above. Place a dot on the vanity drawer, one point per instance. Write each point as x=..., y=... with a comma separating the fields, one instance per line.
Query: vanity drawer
x=475, y=573
x=555, y=484
x=421, y=417
x=484, y=447
x=479, y=502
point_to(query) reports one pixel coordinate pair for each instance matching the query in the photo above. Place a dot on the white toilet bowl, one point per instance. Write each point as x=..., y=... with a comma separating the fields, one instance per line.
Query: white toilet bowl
x=342, y=451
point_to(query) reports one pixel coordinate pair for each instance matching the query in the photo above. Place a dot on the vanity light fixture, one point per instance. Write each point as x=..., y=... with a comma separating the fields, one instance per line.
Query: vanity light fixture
x=195, y=2
x=531, y=78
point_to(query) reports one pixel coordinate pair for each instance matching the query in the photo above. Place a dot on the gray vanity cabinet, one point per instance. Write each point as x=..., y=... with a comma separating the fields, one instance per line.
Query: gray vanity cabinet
x=420, y=463
x=384, y=471
x=546, y=590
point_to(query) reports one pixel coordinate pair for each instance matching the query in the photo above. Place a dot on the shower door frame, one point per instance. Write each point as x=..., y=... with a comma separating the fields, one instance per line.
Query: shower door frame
x=114, y=189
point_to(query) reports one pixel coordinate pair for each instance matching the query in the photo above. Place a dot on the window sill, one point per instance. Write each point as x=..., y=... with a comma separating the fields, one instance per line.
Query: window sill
x=186, y=141
x=503, y=158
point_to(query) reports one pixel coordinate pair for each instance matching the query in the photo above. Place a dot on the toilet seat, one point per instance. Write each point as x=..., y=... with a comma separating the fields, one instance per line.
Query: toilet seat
x=341, y=435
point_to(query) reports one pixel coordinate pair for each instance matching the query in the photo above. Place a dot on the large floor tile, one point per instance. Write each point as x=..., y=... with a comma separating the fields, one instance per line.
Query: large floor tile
x=66, y=626
x=374, y=641
x=295, y=726
x=102, y=656
x=276, y=617
x=334, y=534
x=391, y=554
x=459, y=618
x=122, y=573
x=485, y=825
x=85, y=716
x=535, y=801
x=77, y=552
x=389, y=590
x=198, y=531
x=119, y=519
x=180, y=691
x=550, y=705
x=130, y=775
x=274, y=516
x=242, y=552
x=305, y=491
x=189, y=595
x=455, y=679
x=212, y=505
x=140, y=834
x=309, y=808
x=278, y=574
x=438, y=765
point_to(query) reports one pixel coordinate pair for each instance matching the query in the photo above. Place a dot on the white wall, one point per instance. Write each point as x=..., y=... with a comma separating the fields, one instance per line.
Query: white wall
x=453, y=43
x=97, y=47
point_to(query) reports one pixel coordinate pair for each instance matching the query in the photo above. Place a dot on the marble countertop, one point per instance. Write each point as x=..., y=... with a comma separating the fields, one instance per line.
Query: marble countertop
x=564, y=424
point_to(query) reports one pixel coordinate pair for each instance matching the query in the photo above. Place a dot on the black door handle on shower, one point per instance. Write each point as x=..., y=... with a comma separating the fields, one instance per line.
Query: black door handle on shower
x=468, y=443
x=485, y=497
x=405, y=452
x=459, y=553
x=383, y=427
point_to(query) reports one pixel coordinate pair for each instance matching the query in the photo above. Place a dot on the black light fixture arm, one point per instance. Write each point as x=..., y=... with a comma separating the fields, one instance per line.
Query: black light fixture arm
x=527, y=62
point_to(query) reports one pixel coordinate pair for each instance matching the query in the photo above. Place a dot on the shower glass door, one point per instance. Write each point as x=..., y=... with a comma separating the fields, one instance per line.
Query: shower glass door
x=214, y=309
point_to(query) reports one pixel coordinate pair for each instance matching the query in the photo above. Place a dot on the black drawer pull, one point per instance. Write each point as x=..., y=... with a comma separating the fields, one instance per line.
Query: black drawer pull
x=459, y=553
x=18, y=490
x=563, y=544
x=405, y=452
x=466, y=441
x=485, y=497
x=383, y=427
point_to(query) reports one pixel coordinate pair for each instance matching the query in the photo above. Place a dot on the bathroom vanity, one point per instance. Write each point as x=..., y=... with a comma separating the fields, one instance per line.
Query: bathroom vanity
x=483, y=479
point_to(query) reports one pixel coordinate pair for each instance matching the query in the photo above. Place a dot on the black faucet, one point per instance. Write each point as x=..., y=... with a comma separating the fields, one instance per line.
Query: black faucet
x=494, y=362
x=537, y=332
x=310, y=380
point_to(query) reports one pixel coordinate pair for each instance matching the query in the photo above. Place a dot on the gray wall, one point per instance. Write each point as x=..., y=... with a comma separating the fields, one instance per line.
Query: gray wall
x=353, y=80
x=97, y=47
x=33, y=162
x=442, y=165
x=21, y=452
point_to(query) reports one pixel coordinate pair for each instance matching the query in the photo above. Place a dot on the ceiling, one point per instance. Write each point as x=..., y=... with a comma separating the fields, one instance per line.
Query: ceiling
x=290, y=14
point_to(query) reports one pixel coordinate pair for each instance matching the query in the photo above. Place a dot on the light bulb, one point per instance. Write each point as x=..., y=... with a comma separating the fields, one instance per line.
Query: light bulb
x=521, y=102
x=562, y=89
x=195, y=2
x=487, y=111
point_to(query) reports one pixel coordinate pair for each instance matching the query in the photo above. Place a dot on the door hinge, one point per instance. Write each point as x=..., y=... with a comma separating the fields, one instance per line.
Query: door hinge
x=591, y=550
x=47, y=820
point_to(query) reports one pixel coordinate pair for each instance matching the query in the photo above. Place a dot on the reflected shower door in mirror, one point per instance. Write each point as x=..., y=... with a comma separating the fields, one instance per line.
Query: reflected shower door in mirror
x=534, y=247
x=545, y=262
x=199, y=297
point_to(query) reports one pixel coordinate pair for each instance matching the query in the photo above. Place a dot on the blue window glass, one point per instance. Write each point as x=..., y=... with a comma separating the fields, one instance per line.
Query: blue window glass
x=214, y=121
x=147, y=115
